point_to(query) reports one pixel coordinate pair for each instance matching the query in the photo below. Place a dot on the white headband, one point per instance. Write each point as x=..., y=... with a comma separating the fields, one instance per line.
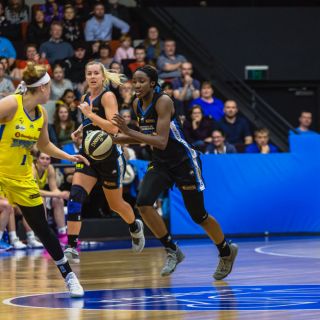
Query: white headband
x=23, y=87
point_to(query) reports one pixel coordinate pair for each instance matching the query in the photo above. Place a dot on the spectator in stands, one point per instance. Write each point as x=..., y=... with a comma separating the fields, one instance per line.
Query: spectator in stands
x=116, y=67
x=7, y=50
x=69, y=99
x=5, y=62
x=82, y=10
x=185, y=88
x=169, y=63
x=140, y=54
x=71, y=27
x=198, y=129
x=305, y=121
x=153, y=45
x=125, y=51
x=94, y=50
x=38, y=31
x=180, y=111
x=31, y=56
x=17, y=11
x=58, y=83
x=105, y=55
x=52, y=11
x=235, y=127
x=6, y=85
x=219, y=144
x=74, y=66
x=63, y=126
x=45, y=176
x=211, y=106
x=261, y=144
x=100, y=26
x=56, y=49
x=11, y=31
x=126, y=95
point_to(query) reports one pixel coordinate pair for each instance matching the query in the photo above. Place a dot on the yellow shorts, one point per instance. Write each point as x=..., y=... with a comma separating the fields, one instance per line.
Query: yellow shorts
x=21, y=192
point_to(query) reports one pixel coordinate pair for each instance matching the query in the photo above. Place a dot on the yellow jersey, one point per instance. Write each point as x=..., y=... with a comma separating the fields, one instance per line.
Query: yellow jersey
x=17, y=137
x=43, y=180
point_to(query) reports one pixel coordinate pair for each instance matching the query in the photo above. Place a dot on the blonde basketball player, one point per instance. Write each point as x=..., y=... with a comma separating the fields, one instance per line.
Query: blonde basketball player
x=23, y=123
x=98, y=107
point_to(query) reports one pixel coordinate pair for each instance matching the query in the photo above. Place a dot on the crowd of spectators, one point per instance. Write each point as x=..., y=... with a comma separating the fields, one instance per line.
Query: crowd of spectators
x=65, y=35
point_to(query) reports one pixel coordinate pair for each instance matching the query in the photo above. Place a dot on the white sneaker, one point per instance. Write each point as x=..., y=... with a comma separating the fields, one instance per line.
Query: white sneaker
x=33, y=243
x=74, y=286
x=72, y=255
x=18, y=245
x=138, y=240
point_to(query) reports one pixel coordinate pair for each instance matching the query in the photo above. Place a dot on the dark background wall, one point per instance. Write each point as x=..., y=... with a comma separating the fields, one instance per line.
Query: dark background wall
x=286, y=39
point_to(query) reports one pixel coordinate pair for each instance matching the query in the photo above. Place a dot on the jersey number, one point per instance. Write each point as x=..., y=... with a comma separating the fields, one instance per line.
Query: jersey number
x=24, y=160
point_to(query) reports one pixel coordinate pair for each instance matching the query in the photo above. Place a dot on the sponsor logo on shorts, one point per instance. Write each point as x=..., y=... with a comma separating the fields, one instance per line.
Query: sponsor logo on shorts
x=79, y=165
x=192, y=187
x=34, y=196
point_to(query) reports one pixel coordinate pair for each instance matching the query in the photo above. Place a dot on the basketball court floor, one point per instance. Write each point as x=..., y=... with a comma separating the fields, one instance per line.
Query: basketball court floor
x=273, y=278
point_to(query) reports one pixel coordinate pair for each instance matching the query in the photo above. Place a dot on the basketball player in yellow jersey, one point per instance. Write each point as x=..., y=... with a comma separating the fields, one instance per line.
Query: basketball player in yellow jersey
x=53, y=197
x=23, y=123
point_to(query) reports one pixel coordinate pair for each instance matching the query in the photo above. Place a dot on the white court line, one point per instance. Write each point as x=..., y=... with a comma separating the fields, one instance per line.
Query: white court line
x=264, y=250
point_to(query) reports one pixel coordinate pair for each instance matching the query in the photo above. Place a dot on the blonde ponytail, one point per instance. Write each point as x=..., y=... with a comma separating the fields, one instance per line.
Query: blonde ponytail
x=109, y=76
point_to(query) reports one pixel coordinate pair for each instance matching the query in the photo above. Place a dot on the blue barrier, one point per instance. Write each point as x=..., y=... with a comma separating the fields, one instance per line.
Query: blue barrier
x=255, y=193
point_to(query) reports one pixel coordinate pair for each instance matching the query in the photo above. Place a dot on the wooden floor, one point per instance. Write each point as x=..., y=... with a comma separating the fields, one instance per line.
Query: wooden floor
x=262, y=285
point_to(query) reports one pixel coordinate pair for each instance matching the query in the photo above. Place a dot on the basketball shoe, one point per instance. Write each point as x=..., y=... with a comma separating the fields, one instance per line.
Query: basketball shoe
x=173, y=258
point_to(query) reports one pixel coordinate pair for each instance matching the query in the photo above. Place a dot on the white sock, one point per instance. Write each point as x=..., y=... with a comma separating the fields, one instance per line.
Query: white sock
x=1, y=235
x=62, y=230
x=12, y=235
x=30, y=234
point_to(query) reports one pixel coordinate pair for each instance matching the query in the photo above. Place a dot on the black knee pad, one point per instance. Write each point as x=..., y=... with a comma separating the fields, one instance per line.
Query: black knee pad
x=77, y=197
x=194, y=203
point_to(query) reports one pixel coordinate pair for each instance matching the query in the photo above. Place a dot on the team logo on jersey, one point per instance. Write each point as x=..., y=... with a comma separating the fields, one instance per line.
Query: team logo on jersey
x=20, y=127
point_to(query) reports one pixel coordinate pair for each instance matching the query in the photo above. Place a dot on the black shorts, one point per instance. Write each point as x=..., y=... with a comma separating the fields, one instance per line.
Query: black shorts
x=109, y=172
x=160, y=177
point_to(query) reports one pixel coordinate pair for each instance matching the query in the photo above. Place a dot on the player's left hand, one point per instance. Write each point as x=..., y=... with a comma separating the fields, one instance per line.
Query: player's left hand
x=120, y=123
x=85, y=108
x=79, y=158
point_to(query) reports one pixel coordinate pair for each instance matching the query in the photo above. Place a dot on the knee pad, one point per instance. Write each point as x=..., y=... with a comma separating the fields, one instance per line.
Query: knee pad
x=194, y=203
x=77, y=197
x=199, y=217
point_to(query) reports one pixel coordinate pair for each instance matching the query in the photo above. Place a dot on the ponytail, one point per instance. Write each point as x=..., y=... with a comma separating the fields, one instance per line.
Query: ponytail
x=108, y=76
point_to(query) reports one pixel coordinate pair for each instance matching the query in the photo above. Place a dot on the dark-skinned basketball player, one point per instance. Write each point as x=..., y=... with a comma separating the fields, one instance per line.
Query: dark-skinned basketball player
x=174, y=161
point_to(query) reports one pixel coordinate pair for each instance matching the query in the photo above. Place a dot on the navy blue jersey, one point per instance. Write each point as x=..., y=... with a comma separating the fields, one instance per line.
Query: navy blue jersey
x=88, y=126
x=177, y=149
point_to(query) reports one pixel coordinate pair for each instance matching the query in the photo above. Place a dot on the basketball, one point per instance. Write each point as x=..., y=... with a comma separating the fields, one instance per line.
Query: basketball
x=98, y=145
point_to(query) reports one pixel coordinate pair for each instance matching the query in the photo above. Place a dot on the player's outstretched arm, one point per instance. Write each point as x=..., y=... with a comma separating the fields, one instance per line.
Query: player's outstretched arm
x=49, y=148
x=158, y=140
